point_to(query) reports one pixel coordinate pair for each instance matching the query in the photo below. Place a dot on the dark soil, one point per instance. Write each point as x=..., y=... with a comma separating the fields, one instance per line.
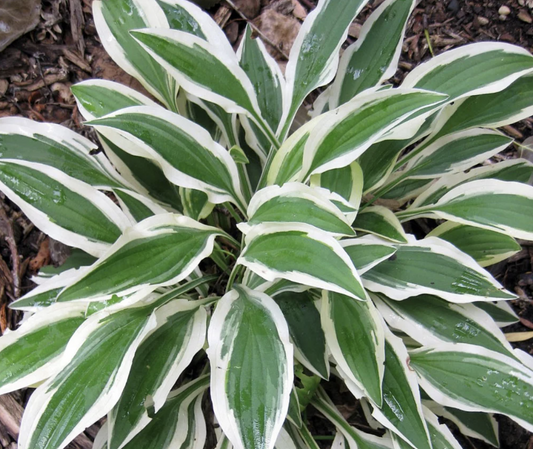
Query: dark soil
x=37, y=70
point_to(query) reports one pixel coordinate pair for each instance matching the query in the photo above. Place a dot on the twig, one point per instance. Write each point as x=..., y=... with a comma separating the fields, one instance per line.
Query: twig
x=10, y=239
x=257, y=30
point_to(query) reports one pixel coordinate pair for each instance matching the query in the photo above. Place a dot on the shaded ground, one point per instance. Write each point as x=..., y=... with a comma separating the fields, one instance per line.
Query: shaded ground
x=37, y=70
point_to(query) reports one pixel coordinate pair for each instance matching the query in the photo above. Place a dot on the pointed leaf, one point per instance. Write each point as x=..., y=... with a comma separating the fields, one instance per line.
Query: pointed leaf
x=472, y=378
x=68, y=210
x=29, y=355
x=356, y=339
x=184, y=150
x=455, y=153
x=249, y=339
x=202, y=69
x=313, y=59
x=351, y=129
x=114, y=19
x=159, y=361
x=482, y=426
x=180, y=422
x=303, y=319
x=402, y=407
x=431, y=320
x=302, y=254
x=161, y=250
x=266, y=77
x=298, y=203
x=374, y=57
x=91, y=377
x=380, y=221
x=486, y=247
x=433, y=266
x=487, y=203
x=368, y=251
x=55, y=146
x=475, y=69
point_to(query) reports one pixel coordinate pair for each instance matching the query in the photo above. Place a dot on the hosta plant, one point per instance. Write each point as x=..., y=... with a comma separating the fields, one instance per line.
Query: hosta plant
x=217, y=245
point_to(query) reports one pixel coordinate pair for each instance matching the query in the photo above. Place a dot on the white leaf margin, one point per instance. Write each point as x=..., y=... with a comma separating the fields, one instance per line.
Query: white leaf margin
x=468, y=51
x=310, y=232
x=216, y=340
x=52, y=315
x=185, y=126
x=441, y=247
x=109, y=209
x=109, y=397
x=438, y=396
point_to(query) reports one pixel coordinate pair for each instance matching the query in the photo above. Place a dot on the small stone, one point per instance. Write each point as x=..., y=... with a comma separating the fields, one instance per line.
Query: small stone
x=482, y=20
x=3, y=86
x=521, y=2
x=524, y=16
x=504, y=10
x=453, y=5
x=503, y=18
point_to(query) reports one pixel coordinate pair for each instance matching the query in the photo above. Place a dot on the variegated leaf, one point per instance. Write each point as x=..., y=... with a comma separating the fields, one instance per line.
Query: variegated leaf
x=303, y=319
x=179, y=424
x=90, y=379
x=355, y=337
x=356, y=438
x=205, y=70
x=368, y=251
x=314, y=56
x=402, y=408
x=347, y=182
x=380, y=221
x=186, y=152
x=433, y=266
x=55, y=146
x=500, y=311
x=266, y=77
x=29, y=355
x=487, y=203
x=298, y=203
x=479, y=425
x=486, y=247
x=114, y=19
x=472, y=378
x=249, y=339
x=159, y=361
x=475, y=69
x=65, y=208
x=347, y=132
x=431, y=320
x=517, y=170
x=455, y=153
x=302, y=254
x=160, y=251
x=374, y=57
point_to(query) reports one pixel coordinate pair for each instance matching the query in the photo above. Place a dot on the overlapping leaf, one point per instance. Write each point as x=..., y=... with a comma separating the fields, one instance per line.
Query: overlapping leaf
x=298, y=203
x=185, y=151
x=159, y=251
x=114, y=19
x=490, y=204
x=91, y=377
x=355, y=337
x=433, y=266
x=159, y=361
x=472, y=378
x=302, y=254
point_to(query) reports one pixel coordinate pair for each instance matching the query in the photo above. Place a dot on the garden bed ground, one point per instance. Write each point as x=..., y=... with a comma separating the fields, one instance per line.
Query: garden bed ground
x=37, y=70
